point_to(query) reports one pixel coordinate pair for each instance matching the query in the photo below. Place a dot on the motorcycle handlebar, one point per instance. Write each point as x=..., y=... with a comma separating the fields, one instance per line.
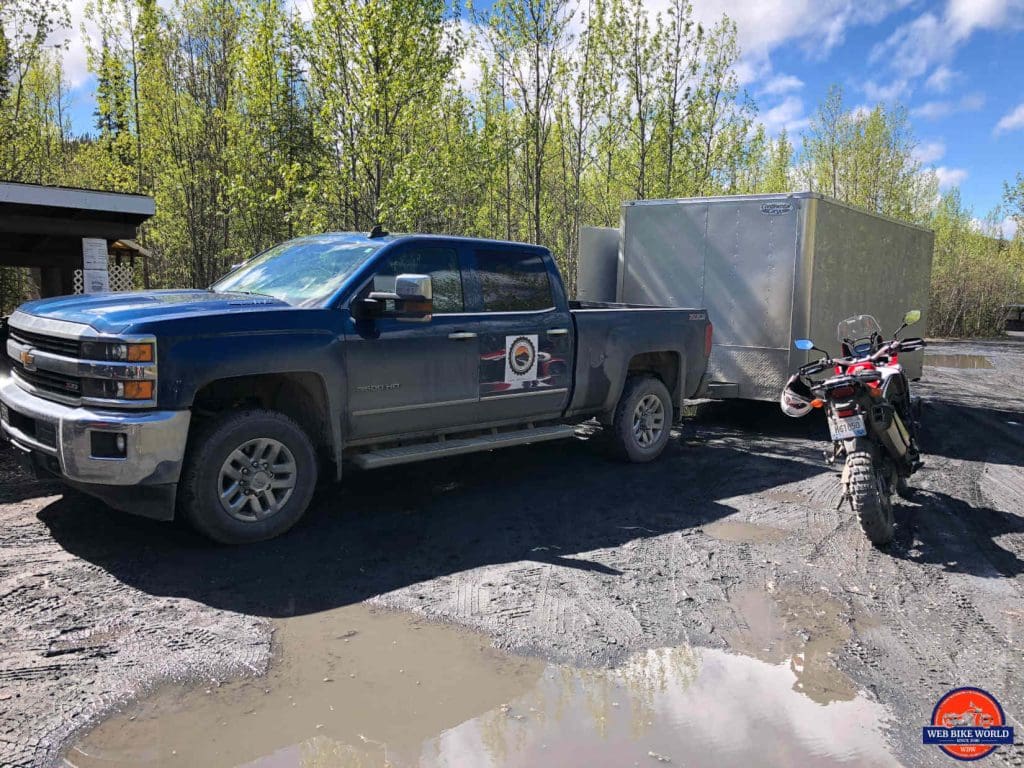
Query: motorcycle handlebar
x=885, y=352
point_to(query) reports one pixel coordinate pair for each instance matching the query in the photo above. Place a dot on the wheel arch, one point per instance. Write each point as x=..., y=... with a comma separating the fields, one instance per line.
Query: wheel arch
x=301, y=395
x=665, y=365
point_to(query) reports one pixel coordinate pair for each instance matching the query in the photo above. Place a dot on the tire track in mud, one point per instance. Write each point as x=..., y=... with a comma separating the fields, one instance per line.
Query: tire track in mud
x=740, y=509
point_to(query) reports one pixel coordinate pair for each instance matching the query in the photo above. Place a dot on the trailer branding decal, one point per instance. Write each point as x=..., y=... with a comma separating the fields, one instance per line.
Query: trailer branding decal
x=776, y=209
x=520, y=359
x=967, y=724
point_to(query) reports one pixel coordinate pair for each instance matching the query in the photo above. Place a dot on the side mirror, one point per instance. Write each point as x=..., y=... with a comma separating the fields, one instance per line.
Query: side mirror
x=912, y=317
x=412, y=301
x=805, y=344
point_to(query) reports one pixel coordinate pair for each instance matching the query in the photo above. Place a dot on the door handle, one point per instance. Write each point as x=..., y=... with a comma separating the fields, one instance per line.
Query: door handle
x=461, y=335
x=558, y=332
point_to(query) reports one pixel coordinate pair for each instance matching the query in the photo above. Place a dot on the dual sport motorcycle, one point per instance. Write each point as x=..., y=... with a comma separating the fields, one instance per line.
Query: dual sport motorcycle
x=872, y=418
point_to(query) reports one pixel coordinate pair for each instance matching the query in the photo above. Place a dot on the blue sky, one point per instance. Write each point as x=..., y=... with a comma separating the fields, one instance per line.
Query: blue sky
x=957, y=65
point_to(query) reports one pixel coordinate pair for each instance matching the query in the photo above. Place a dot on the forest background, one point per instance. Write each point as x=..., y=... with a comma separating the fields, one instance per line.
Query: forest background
x=250, y=125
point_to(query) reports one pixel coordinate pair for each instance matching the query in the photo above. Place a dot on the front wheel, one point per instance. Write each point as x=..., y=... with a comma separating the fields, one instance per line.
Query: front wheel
x=249, y=476
x=643, y=419
x=866, y=488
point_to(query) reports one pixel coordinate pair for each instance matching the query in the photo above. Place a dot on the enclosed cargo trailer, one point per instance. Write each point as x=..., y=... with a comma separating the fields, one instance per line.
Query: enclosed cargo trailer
x=769, y=269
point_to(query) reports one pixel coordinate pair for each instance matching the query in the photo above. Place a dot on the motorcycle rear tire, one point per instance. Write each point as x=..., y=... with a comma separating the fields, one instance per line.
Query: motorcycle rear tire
x=873, y=507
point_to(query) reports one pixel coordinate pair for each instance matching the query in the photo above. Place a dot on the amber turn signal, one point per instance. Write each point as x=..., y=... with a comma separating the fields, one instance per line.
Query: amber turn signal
x=138, y=390
x=816, y=403
x=140, y=353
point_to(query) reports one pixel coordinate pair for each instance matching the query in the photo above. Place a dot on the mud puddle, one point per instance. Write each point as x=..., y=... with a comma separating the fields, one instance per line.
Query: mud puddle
x=356, y=688
x=957, y=361
x=743, y=532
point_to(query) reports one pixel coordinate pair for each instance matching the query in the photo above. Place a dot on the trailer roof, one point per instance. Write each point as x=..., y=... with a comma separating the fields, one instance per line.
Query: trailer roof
x=772, y=196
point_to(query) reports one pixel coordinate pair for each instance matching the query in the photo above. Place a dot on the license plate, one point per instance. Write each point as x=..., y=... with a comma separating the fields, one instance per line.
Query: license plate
x=845, y=429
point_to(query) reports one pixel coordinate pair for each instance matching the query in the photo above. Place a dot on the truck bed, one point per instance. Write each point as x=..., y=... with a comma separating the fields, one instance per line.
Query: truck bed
x=615, y=339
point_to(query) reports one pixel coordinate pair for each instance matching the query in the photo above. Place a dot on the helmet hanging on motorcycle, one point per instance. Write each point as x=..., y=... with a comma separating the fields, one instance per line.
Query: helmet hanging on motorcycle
x=795, y=399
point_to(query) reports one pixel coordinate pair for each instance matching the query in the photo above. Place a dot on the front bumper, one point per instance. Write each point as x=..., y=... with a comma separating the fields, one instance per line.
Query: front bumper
x=62, y=434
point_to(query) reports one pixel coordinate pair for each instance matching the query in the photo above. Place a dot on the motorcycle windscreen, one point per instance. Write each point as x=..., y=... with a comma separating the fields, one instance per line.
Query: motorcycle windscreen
x=858, y=332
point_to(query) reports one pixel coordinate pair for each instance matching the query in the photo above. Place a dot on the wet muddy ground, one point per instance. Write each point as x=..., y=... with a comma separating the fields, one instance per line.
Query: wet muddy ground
x=718, y=593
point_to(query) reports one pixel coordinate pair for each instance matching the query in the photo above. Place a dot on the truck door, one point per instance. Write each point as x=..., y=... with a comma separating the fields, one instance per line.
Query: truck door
x=406, y=377
x=525, y=335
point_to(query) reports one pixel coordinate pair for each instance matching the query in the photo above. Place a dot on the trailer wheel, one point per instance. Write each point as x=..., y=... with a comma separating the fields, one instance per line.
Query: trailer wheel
x=249, y=476
x=643, y=419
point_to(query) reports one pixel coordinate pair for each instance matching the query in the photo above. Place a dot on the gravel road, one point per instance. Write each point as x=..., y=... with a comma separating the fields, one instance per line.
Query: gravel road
x=558, y=551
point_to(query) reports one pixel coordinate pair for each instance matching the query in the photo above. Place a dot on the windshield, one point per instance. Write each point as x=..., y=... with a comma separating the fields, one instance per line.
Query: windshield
x=859, y=333
x=303, y=272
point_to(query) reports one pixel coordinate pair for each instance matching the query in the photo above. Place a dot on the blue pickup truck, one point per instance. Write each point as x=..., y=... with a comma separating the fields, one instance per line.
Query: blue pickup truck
x=225, y=405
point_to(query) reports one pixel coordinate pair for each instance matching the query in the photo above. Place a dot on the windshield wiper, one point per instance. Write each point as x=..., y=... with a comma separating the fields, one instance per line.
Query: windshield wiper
x=247, y=293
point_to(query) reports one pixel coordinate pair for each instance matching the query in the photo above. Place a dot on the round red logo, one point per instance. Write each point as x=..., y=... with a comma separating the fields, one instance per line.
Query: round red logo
x=968, y=724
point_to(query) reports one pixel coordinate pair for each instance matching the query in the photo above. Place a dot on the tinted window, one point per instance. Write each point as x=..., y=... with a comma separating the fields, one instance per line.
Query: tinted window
x=442, y=264
x=513, y=282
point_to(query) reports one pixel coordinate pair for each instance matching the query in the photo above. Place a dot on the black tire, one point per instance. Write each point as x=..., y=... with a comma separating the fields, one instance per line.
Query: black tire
x=873, y=508
x=625, y=440
x=210, y=446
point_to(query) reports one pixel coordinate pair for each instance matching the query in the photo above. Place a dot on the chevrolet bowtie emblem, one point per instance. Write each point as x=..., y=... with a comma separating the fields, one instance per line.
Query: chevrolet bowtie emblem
x=28, y=360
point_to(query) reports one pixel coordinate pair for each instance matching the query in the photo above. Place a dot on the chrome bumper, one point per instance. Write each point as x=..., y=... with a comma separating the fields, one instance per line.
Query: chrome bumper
x=155, y=439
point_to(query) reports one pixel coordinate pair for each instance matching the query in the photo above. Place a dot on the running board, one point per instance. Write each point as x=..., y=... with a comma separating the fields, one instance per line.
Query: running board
x=406, y=454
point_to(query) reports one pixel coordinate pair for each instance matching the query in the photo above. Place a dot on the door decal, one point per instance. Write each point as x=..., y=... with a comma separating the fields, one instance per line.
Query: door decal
x=520, y=359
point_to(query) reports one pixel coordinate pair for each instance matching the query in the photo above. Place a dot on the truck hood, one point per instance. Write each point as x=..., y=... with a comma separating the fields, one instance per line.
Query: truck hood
x=114, y=312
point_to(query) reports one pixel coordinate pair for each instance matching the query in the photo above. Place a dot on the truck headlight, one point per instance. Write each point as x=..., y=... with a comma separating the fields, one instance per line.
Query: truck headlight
x=122, y=353
x=118, y=390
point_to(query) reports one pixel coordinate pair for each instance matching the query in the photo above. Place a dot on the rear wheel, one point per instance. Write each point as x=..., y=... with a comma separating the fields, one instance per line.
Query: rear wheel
x=643, y=419
x=249, y=476
x=870, y=498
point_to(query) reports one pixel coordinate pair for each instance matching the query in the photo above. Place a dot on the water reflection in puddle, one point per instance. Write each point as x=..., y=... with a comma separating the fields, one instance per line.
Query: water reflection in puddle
x=434, y=696
x=958, y=361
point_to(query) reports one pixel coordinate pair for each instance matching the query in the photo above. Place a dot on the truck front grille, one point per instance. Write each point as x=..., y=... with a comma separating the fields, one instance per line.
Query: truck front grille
x=47, y=381
x=54, y=344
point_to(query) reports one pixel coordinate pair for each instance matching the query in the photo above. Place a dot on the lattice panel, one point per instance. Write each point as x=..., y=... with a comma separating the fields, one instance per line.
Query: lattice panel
x=122, y=278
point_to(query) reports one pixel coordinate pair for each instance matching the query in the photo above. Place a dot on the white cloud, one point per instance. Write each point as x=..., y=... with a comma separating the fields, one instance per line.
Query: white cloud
x=1007, y=228
x=76, y=68
x=780, y=84
x=931, y=40
x=950, y=177
x=940, y=80
x=929, y=152
x=789, y=114
x=876, y=92
x=964, y=16
x=468, y=70
x=912, y=48
x=934, y=110
x=303, y=9
x=816, y=26
x=1011, y=121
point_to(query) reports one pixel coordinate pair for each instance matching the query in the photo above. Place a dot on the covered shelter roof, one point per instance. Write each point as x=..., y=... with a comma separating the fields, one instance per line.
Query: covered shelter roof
x=43, y=226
